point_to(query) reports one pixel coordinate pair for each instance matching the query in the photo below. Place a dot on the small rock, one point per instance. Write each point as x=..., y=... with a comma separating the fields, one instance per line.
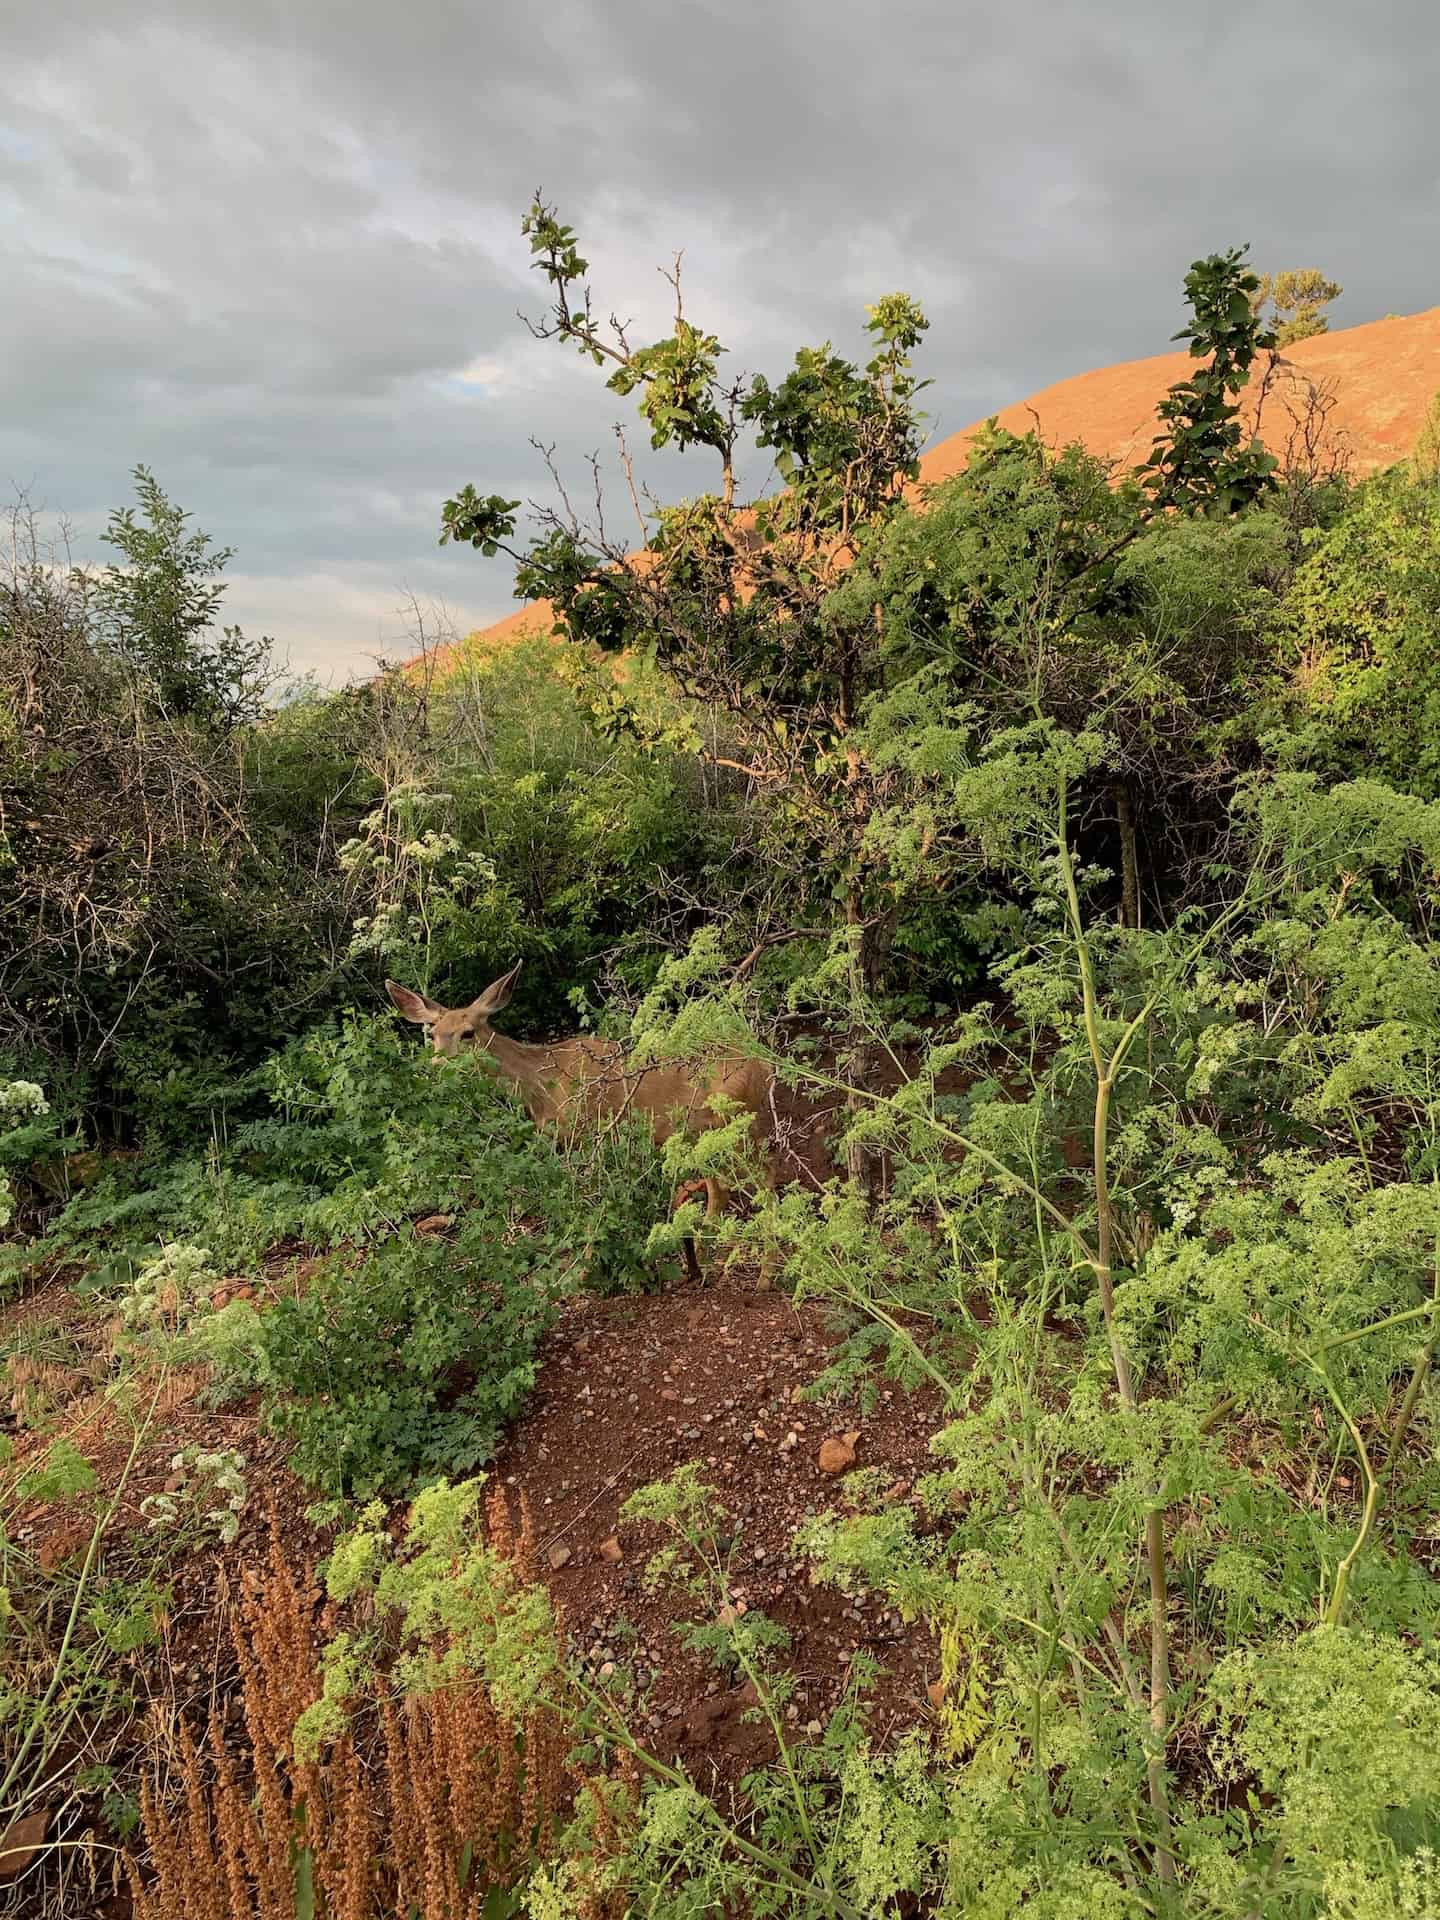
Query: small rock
x=21, y=1843
x=558, y=1556
x=670, y=1393
x=610, y=1550
x=837, y=1454
x=65, y=1545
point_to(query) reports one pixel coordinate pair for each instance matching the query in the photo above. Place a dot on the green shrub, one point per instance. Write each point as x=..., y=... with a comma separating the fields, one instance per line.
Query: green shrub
x=1358, y=631
x=402, y=1355
x=406, y=1362
x=336, y=1137
x=525, y=831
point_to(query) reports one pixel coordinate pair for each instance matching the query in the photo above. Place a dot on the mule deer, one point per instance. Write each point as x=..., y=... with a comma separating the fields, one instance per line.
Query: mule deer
x=584, y=1081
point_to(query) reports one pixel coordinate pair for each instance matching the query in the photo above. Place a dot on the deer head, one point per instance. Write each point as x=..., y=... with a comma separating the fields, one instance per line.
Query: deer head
x=452, y=1028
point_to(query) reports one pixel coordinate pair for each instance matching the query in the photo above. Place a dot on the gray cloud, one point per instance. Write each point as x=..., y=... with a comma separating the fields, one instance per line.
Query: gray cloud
x=272, y=250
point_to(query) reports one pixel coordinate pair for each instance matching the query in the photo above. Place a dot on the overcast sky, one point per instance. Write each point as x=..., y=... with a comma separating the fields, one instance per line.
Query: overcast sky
x=271, y=248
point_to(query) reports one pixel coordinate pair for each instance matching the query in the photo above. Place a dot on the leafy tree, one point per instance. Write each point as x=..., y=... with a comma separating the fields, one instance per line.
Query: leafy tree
x=733, y=600
x=1200, y=463
x=1033, y=588
x=763, y=611
x=1296, y=298
x=729, y=599
x=158, y=605
x=168, y=895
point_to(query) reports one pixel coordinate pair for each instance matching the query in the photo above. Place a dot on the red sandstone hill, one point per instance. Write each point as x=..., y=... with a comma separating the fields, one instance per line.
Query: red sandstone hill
x=1373, y=385
x=1381, y=379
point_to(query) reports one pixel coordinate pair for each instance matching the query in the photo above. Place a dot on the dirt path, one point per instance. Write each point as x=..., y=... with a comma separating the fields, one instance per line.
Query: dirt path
x=631, y=1389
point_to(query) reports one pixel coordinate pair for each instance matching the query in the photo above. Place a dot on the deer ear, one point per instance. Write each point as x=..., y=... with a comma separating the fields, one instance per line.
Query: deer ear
x=418, y=1007
x=497, y=994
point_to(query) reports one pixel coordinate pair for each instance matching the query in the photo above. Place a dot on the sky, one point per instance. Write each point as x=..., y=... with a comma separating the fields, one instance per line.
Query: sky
x=271, y=248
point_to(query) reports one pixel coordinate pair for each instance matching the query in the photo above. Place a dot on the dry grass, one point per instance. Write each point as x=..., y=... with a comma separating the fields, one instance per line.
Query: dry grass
x=441, y=1800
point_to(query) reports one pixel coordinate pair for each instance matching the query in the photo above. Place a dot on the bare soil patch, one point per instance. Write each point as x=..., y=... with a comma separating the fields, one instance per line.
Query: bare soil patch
x=632, y=1388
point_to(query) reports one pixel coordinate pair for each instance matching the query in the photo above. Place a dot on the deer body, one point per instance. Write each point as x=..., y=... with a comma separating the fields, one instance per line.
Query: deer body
x=582, y=1082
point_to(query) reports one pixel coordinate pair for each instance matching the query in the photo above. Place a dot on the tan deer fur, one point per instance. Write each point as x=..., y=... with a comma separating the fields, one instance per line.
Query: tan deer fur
x=582, y=1082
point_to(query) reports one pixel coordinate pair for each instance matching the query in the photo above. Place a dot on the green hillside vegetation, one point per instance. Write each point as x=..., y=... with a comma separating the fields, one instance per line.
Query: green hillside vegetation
x=1072, y=841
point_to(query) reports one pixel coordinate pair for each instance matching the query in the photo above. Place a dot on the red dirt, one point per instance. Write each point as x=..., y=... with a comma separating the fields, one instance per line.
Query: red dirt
x=633, y=1388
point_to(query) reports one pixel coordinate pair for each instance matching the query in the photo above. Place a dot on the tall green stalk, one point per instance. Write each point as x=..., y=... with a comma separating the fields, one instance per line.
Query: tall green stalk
x=1155, y=1543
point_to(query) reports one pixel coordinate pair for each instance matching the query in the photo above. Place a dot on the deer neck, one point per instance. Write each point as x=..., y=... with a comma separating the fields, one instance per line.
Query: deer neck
x=544, y=1074
x=526, y=1065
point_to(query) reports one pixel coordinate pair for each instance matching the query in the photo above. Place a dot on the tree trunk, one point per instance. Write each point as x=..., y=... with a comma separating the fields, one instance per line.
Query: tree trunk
x=1129, y=856
x=869, y=950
